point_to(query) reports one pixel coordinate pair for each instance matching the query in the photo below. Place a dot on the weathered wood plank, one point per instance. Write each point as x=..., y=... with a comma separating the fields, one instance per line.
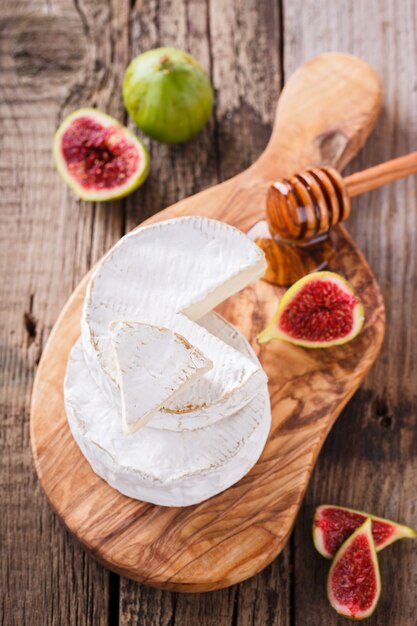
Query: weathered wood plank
x=52, y=240
x=54, y=58
x=369, y=460
x=176, y=171
x=231, y=41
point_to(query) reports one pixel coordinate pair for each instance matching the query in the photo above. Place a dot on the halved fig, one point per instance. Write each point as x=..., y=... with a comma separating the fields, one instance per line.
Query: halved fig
x=354, y=583
x=332, y=525
x=99, y=158
x=319, y=311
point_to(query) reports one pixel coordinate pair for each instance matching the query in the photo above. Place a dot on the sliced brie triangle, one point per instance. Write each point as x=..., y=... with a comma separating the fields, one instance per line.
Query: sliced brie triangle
x=216, y=385
x=153, y=365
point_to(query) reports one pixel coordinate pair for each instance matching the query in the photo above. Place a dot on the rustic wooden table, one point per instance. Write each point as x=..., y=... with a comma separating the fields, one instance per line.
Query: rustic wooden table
x=57, y=55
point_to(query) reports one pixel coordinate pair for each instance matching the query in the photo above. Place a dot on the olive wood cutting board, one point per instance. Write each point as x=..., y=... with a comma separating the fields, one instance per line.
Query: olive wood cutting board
x=324, y=115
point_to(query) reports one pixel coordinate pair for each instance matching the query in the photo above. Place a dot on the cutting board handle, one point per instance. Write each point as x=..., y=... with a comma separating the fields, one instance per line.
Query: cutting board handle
x=324, y=115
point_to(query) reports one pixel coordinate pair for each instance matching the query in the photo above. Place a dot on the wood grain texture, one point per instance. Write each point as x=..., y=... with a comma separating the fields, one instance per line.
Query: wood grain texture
x=49, y=55
x=48, y=240
x=232, y=41
x=369, y=460
x=235, y=534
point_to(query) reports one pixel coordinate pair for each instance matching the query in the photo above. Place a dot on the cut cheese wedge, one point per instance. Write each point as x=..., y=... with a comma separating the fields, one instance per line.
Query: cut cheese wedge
x=217, y=385
x=154, y=364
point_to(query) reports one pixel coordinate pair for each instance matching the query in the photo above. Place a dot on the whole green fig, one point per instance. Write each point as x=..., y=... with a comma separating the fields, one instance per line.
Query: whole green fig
x=167, y=94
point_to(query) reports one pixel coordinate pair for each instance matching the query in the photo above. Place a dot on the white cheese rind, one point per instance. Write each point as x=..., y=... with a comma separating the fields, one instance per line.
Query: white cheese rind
x=226, y=335
x=169, y=468
x=183, y=265
x=153, y=365
x=202, y=439
x=153, y=274
x=232, y=382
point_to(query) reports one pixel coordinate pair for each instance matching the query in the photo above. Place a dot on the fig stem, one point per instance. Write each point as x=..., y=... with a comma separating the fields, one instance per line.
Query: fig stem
x=164, y=62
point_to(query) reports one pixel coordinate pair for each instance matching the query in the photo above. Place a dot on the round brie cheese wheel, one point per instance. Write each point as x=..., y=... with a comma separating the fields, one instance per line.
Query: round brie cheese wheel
x=166, y=467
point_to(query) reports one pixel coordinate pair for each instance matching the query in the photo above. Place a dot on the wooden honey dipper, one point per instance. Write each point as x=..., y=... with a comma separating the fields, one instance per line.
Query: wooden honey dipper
x=305, y=206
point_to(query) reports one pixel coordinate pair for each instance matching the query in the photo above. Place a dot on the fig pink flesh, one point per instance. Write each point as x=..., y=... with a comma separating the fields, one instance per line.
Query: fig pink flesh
x=98, y=157
x=354, y=581
x=337, y=525
x=321, y=311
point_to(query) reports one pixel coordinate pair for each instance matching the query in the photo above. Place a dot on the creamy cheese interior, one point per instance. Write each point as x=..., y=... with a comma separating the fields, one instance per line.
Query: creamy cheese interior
x=228, y=289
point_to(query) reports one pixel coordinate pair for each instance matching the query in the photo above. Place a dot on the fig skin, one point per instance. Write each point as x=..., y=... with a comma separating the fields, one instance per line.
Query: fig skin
x=400, y=531
x=273, y=332
x=168, y=95
x=104, y=195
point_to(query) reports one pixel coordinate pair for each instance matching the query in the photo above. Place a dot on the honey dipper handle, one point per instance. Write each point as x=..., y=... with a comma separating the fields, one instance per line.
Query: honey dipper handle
x=381, y=174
